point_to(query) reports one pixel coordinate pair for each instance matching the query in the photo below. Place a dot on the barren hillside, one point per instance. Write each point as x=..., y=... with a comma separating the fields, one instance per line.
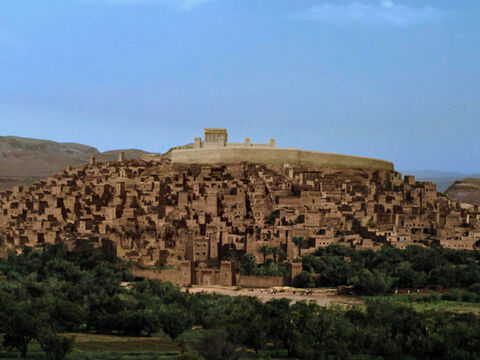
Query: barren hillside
x=25, y=160
x=465, y=190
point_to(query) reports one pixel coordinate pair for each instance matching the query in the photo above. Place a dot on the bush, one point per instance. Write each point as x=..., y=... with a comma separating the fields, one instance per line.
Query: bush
x=174, y=321
x=471, y=297
x=20, y=324
x=56, y=347
x=304, y=280
x=214, y=345
x=432, y=298
x=248, y=264
x=371, y=283
x=475, y=288
x=454, y=295
x=134, y=322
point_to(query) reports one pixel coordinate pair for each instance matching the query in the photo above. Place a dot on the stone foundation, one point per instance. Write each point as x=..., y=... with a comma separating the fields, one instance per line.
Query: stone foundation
x=279, y=156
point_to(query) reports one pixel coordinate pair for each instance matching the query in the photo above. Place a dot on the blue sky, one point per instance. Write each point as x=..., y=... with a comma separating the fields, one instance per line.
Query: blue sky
x=397, y=80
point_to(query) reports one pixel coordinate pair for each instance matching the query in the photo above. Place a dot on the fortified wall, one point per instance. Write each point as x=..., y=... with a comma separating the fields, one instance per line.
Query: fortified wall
x=215, y=148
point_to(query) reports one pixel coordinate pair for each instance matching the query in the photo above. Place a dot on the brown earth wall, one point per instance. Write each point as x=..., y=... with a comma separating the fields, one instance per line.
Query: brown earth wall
x=177, y=277
x=278, y=156
x=261, y=281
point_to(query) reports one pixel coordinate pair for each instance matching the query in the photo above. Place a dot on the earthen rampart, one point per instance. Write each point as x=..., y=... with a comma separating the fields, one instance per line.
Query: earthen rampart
x=261, y=281
x=182, y=276
x=278, y=156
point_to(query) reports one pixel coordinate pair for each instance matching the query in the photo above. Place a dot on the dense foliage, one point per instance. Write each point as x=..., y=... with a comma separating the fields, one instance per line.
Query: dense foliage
x=376, y=272
x=248, y=266
x=44, y=293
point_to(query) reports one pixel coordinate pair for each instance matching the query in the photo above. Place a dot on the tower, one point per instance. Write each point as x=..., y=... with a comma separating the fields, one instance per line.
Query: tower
x=121, y=156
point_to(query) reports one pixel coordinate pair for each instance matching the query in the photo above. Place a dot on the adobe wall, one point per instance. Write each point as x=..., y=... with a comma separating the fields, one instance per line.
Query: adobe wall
x=261, y=281
x=278, y=156
x=227, y=274
x=315, y=158
x=295, y=270
x=178, y=277
x=207, y=277
x=220, y=155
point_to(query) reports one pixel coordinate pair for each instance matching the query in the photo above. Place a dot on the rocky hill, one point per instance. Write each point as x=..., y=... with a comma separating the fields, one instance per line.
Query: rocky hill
x=443, y=179
x=24, y=160
x=465, y=190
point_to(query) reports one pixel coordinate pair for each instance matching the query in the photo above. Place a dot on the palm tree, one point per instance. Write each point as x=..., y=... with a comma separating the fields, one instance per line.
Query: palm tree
x=300, y=241
x=265, y=250
x=276, y=251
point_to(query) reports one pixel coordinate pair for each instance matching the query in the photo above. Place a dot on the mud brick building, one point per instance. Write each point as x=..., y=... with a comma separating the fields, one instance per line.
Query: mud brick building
x=183, y=222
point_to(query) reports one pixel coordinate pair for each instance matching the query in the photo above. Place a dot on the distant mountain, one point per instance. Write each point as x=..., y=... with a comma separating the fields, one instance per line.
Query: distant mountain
x=24, y=160
x=443, y=179
x=112, y=155
x=465, y=190
x=433, y=174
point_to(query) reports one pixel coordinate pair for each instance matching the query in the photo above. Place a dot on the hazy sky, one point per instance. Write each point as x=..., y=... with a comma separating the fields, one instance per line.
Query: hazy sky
x=396, y=80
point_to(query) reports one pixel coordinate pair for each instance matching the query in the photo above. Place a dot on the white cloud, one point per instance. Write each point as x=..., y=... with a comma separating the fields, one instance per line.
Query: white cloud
x=387, y=12
x=179, y=4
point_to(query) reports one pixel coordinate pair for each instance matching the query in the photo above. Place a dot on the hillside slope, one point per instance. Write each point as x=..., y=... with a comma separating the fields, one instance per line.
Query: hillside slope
x=442, y=179
x=25, y=160
x=465, y=190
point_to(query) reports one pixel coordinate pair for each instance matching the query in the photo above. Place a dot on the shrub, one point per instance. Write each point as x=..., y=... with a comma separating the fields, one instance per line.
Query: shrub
x=469, y=296
x=371, y=283
x=475, y=288
x=304, y=280
x=56, y=347
x=214, y=345
x=454, y=295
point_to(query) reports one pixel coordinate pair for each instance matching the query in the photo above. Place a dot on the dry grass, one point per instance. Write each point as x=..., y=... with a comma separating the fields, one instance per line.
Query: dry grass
x=121, y=344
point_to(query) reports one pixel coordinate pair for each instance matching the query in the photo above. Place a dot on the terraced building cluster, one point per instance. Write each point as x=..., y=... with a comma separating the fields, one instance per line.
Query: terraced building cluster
x=192, y=218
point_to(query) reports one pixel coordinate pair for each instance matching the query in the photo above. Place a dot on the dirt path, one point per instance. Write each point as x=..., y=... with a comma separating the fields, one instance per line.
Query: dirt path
x=323, y=297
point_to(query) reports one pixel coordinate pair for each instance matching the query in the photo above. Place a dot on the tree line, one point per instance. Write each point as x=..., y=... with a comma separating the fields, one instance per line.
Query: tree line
x=378, y=272
x=47, y=292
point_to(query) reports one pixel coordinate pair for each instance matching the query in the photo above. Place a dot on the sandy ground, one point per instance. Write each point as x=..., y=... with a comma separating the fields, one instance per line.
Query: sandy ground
x=322, y=297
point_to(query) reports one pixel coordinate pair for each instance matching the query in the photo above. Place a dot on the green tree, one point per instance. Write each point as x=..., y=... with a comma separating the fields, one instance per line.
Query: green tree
x=20, y=324
x=409, y=278
x=214, y=345
x=174, y=320
x=371, y=283
x=300, y=242
x=304, y=280
x=244, y=322
x=248, y=264
x=303, y=318
x=276, y=252
x=278, y=322
x=334, y=335
x=136, y=322
x=265, y=250
x=55, y=346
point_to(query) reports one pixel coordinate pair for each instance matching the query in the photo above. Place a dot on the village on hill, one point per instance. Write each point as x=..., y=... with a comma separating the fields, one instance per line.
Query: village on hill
x=184, y=223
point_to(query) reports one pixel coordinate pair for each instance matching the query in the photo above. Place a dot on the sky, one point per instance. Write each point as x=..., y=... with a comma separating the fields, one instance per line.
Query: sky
x=395, y=80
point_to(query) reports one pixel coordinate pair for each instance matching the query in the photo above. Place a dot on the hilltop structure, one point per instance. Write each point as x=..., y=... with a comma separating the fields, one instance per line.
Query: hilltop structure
x=183, y=223
x=183, y=219
x=215, y=149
